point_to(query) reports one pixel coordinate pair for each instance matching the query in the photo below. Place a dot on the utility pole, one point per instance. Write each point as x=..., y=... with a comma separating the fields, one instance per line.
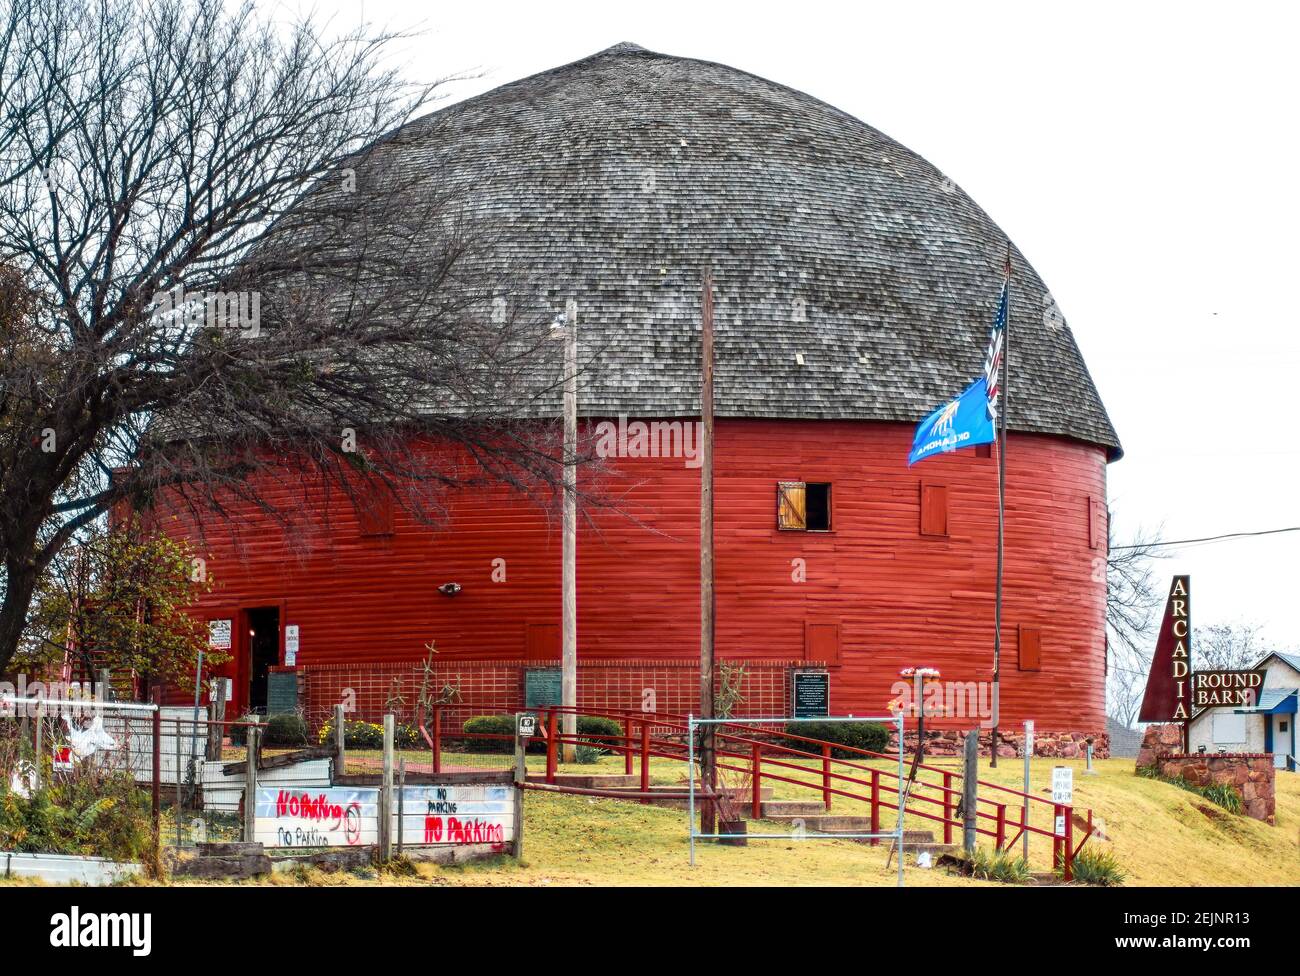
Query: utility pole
x=567, y=326
x=1002, y=509
x=708, y=769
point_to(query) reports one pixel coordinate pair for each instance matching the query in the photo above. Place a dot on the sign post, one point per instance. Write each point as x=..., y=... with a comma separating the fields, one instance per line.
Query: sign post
x=1168, y=695
x=1029, y=753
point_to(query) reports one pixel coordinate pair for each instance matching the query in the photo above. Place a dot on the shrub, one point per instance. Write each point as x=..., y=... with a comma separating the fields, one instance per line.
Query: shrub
x=1220, y=793
x=285, y=730
x=102, y=814
x=858, y=735
x=591, y=731
x=1095, y=866
x=489, y=725
x=587, y=755
x=239, y=733
x=356, y=735
x=599, y=729
x=1000, y=866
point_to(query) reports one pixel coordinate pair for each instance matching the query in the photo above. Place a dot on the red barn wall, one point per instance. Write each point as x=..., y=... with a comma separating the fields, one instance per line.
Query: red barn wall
x=900, y=598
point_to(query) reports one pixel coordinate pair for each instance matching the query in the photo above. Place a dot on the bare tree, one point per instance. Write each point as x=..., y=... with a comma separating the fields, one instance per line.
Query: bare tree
x=1132, y=596
x=1227, y=647
x=217, y=266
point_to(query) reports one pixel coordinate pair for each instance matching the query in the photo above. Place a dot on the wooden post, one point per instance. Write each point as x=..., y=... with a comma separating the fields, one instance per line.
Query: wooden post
x=340, y=739
x=1001, y=436
x=386, y=795
x=569, y=552
x=521, y=777
x=970, y=791
x=401, y=798
x=253, y=738
x=708, y=608
x=217, y=722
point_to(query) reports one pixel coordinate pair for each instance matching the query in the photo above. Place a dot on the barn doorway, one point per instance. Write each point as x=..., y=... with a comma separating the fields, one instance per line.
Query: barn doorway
x=263, y=653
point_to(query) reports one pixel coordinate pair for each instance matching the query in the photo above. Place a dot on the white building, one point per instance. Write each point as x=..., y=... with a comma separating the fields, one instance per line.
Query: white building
x=1267, y=727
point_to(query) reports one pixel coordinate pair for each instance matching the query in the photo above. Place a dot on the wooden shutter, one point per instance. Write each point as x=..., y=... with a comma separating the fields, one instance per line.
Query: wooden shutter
x=543, y=642
x=1096, y=523
x=791, y=505
x=934, y=510
x=1031, y=648
x=821, y=642
x=375, y=514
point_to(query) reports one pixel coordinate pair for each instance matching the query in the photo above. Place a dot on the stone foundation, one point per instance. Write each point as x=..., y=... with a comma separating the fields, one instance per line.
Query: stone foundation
x=1050, y=745
x=1251, y=774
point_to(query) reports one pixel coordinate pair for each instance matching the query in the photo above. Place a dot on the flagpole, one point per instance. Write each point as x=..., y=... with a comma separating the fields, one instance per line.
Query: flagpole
x=1002, y=503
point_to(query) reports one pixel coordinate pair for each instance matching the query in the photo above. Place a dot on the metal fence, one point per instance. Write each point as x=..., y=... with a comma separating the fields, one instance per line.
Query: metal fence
x=695, y=726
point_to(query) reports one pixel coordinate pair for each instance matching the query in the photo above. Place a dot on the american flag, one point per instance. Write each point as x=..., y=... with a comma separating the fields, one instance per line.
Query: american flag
x=993, y=359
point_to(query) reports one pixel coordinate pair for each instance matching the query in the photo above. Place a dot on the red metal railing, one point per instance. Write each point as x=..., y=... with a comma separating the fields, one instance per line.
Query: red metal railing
x=777, y=756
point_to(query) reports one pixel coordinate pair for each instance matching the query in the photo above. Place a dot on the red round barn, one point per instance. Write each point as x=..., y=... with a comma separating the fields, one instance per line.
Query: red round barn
x=854, y=289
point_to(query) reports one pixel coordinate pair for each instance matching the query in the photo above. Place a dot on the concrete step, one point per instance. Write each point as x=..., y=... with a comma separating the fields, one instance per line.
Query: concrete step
x=741, y=799
x=777, y=809
x=590, y=781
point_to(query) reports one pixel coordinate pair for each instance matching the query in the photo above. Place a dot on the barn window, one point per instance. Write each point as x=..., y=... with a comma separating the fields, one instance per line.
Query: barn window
x=1031, y=648
x=934, y=510
x=803, y=506
x=983, y=450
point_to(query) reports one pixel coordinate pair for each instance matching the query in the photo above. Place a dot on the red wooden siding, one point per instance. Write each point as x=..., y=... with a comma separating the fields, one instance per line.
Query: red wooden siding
x=900, y=597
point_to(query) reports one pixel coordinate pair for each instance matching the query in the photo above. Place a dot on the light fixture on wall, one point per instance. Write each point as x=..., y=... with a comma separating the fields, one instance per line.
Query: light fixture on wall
x=449, y=589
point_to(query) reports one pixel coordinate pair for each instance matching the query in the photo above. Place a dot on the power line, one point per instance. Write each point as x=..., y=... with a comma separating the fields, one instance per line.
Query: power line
x=1210, y=538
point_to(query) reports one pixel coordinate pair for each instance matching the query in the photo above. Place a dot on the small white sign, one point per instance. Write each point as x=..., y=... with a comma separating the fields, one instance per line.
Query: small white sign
x=1062, y=785
x=290, y=645
x=527, y=726
x=219, y=634
x=1060, y=826
x=1029, y=738
x=221, y=686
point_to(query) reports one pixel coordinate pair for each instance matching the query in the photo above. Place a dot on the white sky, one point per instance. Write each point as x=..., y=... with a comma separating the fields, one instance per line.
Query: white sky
x=1142, y=156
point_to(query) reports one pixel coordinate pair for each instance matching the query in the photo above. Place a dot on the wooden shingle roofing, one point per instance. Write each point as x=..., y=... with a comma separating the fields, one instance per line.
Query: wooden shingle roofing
x=853, y=279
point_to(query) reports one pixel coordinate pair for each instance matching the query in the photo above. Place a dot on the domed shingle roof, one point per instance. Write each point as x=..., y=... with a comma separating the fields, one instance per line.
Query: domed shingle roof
x=853, y=279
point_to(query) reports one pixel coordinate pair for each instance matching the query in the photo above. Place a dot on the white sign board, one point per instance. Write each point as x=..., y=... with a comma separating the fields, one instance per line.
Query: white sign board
x=219, y=634
x=527, y=726
x=1062, y=784
x=456, y=815
x=335, y=817
x=290, y=645
x=1060, y=826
